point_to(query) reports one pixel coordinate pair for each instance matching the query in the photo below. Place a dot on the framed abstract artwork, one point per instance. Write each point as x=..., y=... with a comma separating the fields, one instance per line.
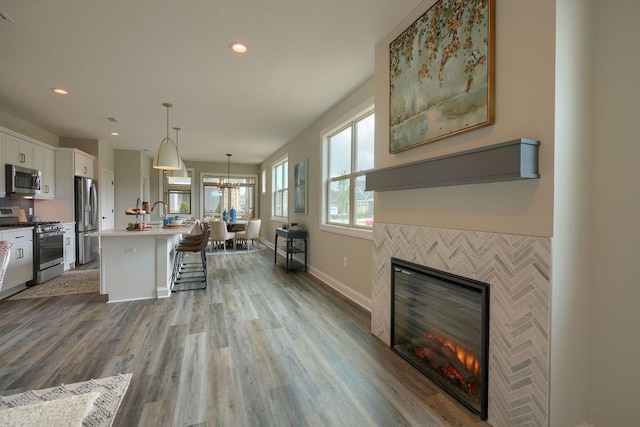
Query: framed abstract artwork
x=442, y=74
x=300, y=187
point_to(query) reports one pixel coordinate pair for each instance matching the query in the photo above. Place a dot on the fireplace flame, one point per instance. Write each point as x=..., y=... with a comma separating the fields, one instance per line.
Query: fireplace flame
x=453, y=360
x=469, y=359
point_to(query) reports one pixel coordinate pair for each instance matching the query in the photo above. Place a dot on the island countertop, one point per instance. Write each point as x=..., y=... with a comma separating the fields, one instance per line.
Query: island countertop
x=154, y=230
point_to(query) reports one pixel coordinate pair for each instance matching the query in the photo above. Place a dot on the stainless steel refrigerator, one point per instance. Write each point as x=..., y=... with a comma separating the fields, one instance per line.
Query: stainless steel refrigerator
x=86, y=200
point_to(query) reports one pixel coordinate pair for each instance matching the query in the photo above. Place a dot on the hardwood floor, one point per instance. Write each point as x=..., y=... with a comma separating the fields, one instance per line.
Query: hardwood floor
x=258, y=347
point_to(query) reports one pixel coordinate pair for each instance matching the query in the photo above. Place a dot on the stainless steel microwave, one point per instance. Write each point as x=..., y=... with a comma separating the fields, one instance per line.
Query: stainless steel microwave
x=23, y=181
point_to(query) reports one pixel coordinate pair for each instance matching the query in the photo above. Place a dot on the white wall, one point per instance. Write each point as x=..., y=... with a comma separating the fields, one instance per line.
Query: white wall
x=524, y=99
x=326, y=250
x=614, y=281
x=128, y=183
x=569, y=274
x=588, y=202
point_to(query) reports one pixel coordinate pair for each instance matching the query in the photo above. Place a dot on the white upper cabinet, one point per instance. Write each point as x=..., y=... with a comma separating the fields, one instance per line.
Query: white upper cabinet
x=28, y=153
x=83, y=165
x=18, y=152
x=44, y=161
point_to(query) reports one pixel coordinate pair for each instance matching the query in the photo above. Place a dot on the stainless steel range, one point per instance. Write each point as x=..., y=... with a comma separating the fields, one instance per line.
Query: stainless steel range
x=48, y=244
x=48, y=251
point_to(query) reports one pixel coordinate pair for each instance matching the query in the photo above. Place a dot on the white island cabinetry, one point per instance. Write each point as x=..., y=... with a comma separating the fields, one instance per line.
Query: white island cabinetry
x=137, y=265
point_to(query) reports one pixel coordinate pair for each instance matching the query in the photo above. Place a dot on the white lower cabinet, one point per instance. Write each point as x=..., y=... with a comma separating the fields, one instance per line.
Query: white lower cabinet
x=69, y=245
x=20, y=268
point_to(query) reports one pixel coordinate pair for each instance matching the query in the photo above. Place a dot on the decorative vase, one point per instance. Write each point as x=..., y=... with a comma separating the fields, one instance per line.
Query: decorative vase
x=232, y=214
x=225, y=215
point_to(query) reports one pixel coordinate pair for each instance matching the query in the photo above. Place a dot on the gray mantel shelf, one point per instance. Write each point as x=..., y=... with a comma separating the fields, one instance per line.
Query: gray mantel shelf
x=507, y=161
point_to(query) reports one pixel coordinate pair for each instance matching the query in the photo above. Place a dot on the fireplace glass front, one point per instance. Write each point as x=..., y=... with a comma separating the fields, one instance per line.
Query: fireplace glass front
x=440, y=325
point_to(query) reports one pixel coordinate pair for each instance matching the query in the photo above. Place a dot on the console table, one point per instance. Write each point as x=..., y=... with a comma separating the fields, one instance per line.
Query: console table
x=290, y=248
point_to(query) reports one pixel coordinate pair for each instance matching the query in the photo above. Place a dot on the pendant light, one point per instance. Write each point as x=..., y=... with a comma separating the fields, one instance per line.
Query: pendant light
x=167, y=157
x=182, y=172
x=228, y=183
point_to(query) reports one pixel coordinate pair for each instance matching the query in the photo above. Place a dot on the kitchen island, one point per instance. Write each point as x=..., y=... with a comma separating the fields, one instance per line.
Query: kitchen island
x=136, y=264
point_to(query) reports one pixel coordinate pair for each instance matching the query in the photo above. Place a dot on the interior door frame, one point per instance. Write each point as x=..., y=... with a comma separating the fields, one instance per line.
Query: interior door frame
x=107, y=196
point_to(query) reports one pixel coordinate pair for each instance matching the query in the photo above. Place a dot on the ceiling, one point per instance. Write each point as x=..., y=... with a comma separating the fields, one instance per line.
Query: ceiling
x=123, y=59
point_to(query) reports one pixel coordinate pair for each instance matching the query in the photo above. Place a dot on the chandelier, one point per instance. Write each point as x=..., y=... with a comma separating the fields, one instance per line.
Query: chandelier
x=228, y=183
x=167, y=157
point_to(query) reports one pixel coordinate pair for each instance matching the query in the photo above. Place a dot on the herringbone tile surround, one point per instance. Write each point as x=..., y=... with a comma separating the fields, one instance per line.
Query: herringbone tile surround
x=517, y=268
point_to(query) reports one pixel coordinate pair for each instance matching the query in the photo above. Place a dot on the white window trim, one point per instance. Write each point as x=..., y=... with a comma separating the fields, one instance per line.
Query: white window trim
x=165, y=210
x=283, y=158
x=218, y=175
x=356, y=112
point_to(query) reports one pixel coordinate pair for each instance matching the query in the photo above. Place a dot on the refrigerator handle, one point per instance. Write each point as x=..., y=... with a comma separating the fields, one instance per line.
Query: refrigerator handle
x=94, y=206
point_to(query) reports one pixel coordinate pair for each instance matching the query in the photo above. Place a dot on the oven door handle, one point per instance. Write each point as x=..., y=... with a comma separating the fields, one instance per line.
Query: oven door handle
x=51, y=233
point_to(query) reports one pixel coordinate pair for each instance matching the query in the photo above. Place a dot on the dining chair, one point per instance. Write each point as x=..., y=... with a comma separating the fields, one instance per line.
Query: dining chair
x=220, y=235
x=251, y=234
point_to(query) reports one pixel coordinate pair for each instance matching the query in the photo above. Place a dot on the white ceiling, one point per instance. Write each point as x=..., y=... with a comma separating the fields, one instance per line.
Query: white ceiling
x=124, y=58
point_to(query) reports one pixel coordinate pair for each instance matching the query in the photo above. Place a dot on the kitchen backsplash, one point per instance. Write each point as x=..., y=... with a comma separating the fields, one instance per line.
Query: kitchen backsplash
x=22, y=203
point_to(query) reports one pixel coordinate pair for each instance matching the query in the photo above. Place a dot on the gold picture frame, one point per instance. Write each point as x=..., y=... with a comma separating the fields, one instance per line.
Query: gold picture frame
x=441, y=74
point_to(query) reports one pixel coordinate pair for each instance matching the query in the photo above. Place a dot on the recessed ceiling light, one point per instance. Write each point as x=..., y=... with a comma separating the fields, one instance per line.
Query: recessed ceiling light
x=115, y=134
x=60, y=91
x=238, y=47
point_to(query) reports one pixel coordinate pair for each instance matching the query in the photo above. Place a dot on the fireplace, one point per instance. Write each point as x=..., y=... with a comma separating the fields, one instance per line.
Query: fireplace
x=440, y=325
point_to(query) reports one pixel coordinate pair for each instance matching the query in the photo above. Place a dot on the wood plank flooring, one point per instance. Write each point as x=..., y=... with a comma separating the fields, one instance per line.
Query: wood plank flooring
x=258, y=347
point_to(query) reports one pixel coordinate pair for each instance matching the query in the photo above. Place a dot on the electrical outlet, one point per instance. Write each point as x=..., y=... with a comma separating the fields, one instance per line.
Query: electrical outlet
x=344, y=261
x=129, y=250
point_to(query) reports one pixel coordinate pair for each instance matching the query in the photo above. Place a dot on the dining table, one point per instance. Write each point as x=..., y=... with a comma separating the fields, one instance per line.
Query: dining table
x=235, y=226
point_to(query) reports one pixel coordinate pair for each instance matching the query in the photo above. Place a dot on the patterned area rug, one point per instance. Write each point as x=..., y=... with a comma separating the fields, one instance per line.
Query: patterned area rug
x=91, y=403
x=71, y=282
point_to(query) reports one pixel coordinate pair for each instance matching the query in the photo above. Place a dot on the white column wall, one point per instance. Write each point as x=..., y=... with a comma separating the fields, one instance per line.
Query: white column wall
x=614, y=229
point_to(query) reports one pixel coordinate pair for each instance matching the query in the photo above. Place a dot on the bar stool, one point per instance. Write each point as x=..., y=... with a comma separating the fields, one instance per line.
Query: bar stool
x=190, y=272
x=204, y=226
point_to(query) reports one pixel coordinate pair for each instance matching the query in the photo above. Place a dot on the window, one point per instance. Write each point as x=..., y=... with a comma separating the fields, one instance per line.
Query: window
x=280, y=206
x=218, y=199
x=263, y=182
x=349, y=155
x=178, y=194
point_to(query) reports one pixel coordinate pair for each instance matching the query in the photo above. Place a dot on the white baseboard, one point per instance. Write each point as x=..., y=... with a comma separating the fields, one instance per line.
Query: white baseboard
x=361, y=300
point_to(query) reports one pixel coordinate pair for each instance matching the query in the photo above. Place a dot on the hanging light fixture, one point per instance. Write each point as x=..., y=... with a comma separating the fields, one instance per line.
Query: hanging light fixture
x=167, y=157
x=228, y=183
x=182, y=172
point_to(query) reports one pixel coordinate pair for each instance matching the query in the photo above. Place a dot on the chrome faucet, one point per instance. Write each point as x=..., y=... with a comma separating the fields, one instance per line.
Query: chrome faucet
x=159, y=201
